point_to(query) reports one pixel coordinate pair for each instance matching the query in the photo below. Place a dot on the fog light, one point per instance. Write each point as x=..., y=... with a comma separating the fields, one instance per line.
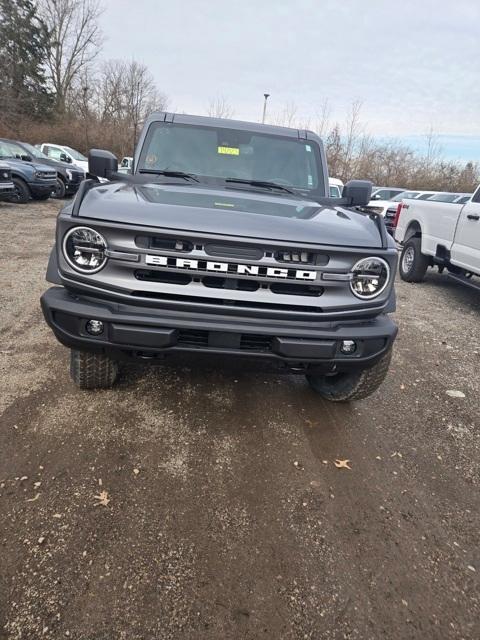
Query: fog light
x=348, y=347
x=94, y=327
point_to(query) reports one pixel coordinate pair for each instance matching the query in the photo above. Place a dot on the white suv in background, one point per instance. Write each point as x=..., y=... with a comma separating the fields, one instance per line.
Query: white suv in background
x=64, y=154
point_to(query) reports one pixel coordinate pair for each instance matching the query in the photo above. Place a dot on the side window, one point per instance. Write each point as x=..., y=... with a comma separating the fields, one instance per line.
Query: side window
x=476, y=195
x=54, y=153
x=335, y=192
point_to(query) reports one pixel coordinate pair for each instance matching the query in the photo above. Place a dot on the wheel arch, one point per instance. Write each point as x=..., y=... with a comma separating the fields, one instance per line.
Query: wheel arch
x=414, y=230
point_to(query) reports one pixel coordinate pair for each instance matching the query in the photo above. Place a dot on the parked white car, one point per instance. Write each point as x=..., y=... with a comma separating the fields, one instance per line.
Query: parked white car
x=445, y=234
x=64, y=154
x=126, y=165
x=336, y=187
x=382, y=206
x=385, y=193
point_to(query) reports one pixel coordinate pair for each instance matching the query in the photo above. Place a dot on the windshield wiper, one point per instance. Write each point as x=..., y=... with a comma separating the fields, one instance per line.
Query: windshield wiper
x=261, y=183
x=171, y=174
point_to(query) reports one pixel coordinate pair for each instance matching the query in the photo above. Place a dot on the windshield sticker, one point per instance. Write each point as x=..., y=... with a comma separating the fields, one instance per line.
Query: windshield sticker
x=151, y=160
x=229, y=151
x=308, y=148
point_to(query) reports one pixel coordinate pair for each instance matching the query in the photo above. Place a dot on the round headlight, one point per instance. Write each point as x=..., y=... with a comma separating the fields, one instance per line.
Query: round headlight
x=369, y=277
x=84, y=249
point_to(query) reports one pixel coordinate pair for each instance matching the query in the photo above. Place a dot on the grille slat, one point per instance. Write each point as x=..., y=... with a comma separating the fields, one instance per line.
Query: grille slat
x=200, y=338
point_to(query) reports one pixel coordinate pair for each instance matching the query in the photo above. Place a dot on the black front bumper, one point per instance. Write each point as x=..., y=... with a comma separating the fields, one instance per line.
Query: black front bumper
x=42, y=188
x=149, y=333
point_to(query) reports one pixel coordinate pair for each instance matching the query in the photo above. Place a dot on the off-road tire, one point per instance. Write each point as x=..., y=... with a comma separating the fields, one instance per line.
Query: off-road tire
x=92, y=370
x=22, y=192
x=60, y=189
x=354, y=385
x=413, y=269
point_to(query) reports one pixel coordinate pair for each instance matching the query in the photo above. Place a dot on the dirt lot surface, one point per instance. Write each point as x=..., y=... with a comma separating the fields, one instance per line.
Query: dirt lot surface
x=227, y=517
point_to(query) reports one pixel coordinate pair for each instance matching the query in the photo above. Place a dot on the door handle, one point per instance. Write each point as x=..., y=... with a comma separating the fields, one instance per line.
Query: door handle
x=472, y=216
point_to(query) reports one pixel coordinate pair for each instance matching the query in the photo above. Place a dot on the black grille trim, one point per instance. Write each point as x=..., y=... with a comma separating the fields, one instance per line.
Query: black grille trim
x=246, y=305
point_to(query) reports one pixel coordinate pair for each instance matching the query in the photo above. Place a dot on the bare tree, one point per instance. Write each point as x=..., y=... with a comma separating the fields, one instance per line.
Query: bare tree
x=141, y=96
x=287, y=116
x=75, y=40
x=322, y=119
x=219, y=107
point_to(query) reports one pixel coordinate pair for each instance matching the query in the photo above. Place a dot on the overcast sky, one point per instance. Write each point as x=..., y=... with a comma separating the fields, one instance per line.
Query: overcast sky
x=413, y=64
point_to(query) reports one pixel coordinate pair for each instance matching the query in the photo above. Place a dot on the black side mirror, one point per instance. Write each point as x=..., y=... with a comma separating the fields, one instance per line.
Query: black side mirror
x=102, y=163
x=26, y=158
x=358, y=192
x=65, y=158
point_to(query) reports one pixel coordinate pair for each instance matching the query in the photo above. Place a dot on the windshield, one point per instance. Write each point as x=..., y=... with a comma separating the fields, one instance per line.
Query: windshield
x=33, y=151
x=219, y=153
x=76, y=155
x=404, y=195
x=11, y=150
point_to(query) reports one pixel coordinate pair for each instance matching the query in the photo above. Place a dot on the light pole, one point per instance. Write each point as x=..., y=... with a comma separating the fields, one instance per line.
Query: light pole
x=266, y=96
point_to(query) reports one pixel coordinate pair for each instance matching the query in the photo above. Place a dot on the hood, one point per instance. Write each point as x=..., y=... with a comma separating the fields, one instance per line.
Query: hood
x=235, y=212
x=381, y=203
x=21, y=164
x=58, y=164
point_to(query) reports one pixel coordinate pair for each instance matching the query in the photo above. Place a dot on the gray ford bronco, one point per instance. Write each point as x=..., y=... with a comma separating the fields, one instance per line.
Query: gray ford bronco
x=223, y=241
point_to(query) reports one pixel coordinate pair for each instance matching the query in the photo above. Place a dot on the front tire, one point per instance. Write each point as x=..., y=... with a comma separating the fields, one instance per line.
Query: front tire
x=92, y=370
x=59, y=192
x=22, y=192
x=353, y=385
x=413, y=263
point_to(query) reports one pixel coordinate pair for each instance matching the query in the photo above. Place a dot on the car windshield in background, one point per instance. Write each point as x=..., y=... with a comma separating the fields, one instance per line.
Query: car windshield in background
x=10, y=150
x=220, y=153
x=76, y=154
x=33, y=151
x=405, y=195
x=444, y=197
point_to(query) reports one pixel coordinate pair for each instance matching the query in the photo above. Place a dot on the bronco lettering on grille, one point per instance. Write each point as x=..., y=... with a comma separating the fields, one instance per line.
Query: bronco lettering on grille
x=228, y=267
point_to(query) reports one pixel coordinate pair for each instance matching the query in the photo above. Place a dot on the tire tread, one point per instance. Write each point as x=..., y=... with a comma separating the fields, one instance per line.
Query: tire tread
x=362, y=386
x=92, y=370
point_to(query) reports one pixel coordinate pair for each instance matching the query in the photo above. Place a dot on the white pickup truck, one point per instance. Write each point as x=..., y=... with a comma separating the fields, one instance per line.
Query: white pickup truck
x=444, y=234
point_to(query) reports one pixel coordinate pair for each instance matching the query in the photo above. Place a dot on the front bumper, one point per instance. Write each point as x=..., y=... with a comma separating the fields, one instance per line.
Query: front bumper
x=42, y=188
x=147, y=333
x=7, y=189
x=72, y=187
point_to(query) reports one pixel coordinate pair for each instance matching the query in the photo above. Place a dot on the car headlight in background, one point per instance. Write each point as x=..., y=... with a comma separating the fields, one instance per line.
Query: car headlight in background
x=370, y=276
x=84, y=249
x=5, y=175
x=44, y=174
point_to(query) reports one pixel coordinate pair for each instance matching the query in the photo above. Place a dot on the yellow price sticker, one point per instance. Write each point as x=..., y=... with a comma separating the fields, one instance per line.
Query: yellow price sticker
x=229, y=151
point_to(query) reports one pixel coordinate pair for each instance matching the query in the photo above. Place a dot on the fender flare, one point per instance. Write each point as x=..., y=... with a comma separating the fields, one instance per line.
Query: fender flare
x=52, y=268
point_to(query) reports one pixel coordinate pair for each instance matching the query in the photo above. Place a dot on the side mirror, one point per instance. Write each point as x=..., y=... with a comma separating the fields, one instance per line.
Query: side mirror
x=358, y=192
x=26, y=158
x=65, y=158
x=102, y=163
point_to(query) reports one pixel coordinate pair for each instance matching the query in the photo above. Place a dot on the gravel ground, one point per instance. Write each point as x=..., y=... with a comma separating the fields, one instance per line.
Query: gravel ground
x=226, y=516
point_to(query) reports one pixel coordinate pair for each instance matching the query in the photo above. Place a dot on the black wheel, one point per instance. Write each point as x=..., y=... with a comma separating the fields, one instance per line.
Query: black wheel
x=42, y=196
x=22, y=192
x=60, y=189
x=355, y=385
x=92, y=370
x=413, y=264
